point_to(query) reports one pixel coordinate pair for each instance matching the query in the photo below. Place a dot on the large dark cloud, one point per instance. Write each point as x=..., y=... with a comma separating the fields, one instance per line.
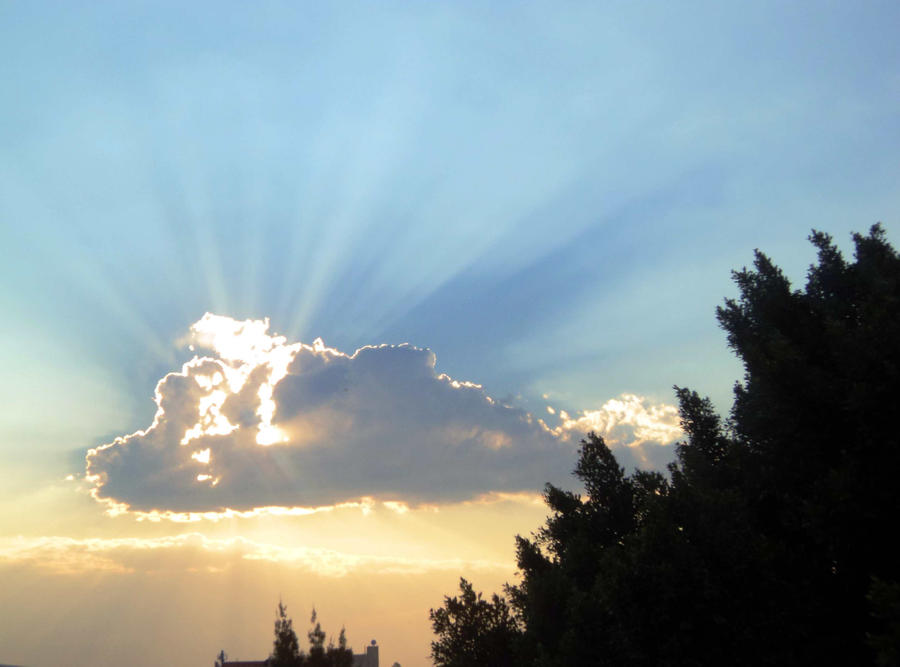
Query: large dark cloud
x=380, y=423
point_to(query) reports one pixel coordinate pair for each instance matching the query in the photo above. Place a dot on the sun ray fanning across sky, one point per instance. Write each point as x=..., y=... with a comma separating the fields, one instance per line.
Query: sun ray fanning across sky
x=314, y=298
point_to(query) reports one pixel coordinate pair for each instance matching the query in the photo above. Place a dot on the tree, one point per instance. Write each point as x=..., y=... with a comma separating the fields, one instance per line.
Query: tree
x=582, y=538
x=884, y=637
x=771, y=541
x=286, y=650
x=821, y=367
x=316, y=636
x=473, y=631
x=340, y=655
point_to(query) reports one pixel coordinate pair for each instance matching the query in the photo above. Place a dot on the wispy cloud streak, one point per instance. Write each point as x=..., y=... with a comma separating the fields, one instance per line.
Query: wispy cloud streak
x=127, y=555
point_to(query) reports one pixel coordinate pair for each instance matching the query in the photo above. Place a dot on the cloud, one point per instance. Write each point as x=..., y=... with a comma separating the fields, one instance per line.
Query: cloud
x=640, y=432
x=261, y=423
x=72, y=556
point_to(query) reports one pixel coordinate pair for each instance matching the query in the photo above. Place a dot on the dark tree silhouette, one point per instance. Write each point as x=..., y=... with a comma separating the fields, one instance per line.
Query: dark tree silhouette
x=771, y=541
x=812, y=420
x=340, y=655
x=884, y=637
x=286, y=650
x=316, y=636
x=473, y=631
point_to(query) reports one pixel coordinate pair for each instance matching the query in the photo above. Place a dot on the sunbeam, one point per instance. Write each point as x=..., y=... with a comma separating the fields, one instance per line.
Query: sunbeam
x=288, y=288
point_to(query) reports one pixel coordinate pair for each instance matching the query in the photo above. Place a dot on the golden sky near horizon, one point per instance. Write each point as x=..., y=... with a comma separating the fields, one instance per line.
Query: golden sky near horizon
x=165, y=518
x=194, y=589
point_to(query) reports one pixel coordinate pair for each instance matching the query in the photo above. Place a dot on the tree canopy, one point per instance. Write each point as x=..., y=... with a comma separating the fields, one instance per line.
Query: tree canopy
x=473, y=631
x=771, y=539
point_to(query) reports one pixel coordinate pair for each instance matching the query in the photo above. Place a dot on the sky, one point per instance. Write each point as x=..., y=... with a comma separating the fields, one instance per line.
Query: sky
x=309, y=300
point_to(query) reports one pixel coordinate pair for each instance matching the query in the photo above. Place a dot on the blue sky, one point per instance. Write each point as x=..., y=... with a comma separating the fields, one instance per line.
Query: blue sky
x=536, y=193
x=549, y=196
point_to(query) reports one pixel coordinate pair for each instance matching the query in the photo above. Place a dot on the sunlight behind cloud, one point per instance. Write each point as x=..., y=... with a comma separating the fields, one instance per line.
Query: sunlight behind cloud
x=628, y=419
x=245, y=346
x=258, y=423
x=632, y=422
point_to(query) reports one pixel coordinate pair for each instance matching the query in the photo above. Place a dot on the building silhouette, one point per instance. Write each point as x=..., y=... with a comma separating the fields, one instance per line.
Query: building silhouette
x=367, y=659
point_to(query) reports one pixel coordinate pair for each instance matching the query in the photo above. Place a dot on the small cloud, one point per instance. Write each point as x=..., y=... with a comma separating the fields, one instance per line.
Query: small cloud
x=631, y=425
x=259, y=424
